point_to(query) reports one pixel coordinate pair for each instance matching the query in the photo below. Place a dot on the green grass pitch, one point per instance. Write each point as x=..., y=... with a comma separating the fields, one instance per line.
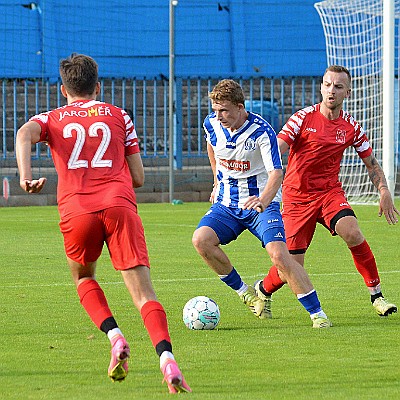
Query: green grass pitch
x=49, y=349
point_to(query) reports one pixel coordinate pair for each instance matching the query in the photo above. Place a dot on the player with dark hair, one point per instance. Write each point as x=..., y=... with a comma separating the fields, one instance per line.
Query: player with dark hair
x=96, y=154
x=317, y=137
x=246, y=163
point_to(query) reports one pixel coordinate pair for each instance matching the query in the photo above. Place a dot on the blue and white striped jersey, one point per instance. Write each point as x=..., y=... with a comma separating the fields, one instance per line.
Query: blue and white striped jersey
x=243, y=158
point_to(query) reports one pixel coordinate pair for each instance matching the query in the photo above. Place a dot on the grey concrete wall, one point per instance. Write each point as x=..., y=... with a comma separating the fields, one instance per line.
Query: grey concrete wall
x=190, y=186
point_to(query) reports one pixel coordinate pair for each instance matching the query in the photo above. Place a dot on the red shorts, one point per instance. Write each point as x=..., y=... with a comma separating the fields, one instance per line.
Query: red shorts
x=301, y=217
x=119, y=227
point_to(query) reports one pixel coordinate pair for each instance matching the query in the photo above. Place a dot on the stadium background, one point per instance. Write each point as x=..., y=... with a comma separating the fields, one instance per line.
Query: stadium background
x=130, y=39
x=275, y=48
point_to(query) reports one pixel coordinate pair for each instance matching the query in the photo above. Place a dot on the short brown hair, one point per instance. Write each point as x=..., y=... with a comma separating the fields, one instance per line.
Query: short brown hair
x=79, y=74
x=227, y=90
x=339, y=69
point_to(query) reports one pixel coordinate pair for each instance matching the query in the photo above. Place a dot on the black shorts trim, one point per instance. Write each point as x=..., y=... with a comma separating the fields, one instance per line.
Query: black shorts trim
x=342, y=213
x=297, y=251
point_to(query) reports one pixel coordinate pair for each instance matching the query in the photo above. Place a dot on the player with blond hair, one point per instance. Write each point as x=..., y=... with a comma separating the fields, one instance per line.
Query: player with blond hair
x=246, y=163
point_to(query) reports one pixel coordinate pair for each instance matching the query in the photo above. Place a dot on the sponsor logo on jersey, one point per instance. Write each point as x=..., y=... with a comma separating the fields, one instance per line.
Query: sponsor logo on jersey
x=344, y=205
x=91, y=112
x=270, y=221
x=279, y=235
x=311, y=130
x=235, y=165
x=341, y=136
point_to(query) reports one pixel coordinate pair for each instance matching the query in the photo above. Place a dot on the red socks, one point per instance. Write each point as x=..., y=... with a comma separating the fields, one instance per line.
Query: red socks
x=365, y=263
x=154, y=318
x=155, y=321
x=94, y=301
x=272, y=282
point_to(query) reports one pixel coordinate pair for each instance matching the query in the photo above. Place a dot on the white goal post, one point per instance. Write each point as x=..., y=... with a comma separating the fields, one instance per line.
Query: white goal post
x=363, y=36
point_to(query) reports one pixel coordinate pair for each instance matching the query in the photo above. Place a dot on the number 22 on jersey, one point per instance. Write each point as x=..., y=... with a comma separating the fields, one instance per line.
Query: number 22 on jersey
x=97, y=161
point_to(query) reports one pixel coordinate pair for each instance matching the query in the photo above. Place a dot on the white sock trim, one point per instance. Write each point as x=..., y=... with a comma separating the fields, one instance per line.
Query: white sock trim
x=164, y=356
x=112, y=332
x=242, y=289
x=318, y=314
x=301, y=295
x=375, y=289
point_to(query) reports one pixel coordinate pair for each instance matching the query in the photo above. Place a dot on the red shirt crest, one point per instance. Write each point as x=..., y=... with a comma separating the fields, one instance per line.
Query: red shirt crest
x=341, y=136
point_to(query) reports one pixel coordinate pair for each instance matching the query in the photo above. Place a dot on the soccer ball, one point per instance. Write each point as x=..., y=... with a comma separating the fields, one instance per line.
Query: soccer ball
x=200, y=313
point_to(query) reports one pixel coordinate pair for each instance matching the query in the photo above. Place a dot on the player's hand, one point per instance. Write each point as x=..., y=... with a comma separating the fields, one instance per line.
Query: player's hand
x=387, y=208
x=33, y=186
x=254, y=203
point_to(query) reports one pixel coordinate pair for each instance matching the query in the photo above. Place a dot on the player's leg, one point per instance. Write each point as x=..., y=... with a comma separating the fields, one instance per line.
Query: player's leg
x=346, y=226
x=138, y=283
x=127, y=246
x=207, y=244
x=275, y=279
x=271, y=283
x=220, y=227
x=95, y=304
x=268, y=227
x=83, y=241
x=340, y=219
x=299, y=282
x=300, y=221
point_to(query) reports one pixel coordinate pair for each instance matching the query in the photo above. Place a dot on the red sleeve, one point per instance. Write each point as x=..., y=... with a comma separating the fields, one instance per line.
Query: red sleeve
x=131, y=139
x=361, y=143
x=132, y=147
x=366, y=153
x=285, y=138
x=42, y=119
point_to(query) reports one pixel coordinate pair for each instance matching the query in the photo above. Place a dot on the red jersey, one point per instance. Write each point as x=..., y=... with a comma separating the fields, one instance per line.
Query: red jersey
x=89, y=141
x=317, y=145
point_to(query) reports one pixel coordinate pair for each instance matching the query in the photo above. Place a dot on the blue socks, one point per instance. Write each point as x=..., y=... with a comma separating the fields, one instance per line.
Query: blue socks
x=310, y=302
x=233, y=279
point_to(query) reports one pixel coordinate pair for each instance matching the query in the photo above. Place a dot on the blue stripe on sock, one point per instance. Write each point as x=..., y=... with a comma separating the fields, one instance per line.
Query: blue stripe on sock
x=311, y=302
x=233, y=280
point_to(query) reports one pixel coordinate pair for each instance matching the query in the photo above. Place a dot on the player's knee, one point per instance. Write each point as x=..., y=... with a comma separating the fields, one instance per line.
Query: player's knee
x=277, y=259
x=352, y=237
x=199, y=241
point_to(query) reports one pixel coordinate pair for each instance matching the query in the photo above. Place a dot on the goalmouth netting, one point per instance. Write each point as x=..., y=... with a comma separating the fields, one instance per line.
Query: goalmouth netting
x=354, y=38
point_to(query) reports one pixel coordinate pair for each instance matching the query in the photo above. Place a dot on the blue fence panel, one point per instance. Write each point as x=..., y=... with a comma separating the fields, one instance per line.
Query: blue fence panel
x=147, y=103
x=397, y=123
x=267, y=109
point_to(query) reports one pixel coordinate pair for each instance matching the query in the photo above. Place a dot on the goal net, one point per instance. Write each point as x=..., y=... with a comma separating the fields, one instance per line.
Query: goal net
x=353, y=32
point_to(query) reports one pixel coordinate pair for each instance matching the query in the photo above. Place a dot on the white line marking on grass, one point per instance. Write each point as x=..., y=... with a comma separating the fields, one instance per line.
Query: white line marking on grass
x=65, y=284
x=173, y=225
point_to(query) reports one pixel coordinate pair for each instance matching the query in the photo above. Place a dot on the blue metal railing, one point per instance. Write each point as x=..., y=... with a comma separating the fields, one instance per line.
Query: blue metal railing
x=147, y=102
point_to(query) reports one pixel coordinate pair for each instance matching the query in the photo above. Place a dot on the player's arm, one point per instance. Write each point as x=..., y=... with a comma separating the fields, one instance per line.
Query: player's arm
x=136, y=169
x=283, y=146
x=261, y=202
x=377, y=177
x=27, y=135
x=213, y=163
